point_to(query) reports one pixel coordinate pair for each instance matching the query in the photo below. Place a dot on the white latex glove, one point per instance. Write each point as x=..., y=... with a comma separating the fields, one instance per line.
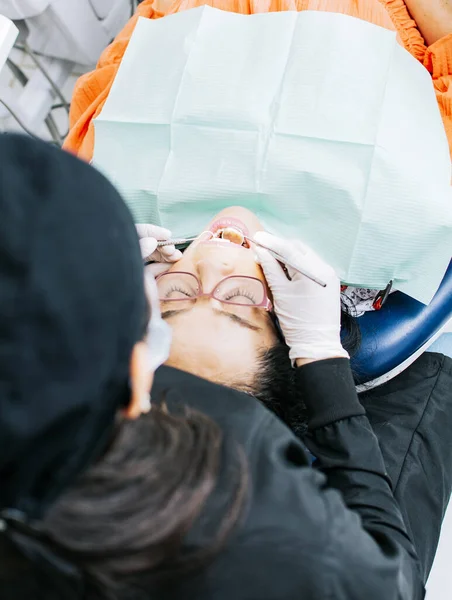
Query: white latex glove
x=309, y=314
x=149, y=235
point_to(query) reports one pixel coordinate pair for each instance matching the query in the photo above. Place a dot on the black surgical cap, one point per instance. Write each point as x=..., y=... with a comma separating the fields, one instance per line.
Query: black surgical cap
x=72, y=306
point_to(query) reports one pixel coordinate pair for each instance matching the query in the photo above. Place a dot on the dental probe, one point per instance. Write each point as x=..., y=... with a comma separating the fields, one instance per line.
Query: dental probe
x=278, y=257
x=175, y=242
x=180, y=241
x=284, y=261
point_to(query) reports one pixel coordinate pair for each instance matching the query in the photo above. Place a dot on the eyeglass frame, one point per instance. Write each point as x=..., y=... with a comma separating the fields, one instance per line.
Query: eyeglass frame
x=266, y=303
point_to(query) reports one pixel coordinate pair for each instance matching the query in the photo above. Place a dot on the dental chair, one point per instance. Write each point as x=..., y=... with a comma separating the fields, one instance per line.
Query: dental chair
x=393, y=337
x=60, y=36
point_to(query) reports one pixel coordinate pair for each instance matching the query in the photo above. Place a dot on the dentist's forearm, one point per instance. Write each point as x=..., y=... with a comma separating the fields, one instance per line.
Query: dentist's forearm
x=433, y=18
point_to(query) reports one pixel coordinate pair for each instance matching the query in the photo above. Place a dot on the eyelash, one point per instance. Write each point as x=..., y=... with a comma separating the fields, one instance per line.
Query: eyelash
x=174, y=288
x=232, y=294
x=238, y=292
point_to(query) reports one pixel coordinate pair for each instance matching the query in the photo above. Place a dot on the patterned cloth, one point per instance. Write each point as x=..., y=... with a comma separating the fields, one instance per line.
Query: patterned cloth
x=358, y=300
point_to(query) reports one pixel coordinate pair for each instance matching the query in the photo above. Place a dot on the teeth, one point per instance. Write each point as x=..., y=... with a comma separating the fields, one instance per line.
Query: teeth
x=217, y=237
x=233, y=234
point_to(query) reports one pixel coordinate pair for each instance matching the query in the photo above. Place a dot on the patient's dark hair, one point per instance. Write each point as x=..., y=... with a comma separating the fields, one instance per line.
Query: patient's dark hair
x=274, y=384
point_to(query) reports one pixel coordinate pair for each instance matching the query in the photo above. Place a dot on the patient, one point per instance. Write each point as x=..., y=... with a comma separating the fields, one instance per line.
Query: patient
x=232, y=338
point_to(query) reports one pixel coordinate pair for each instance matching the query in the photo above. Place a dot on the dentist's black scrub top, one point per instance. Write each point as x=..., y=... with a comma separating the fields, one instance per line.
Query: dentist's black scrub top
x=333, y=532
x=330, y=533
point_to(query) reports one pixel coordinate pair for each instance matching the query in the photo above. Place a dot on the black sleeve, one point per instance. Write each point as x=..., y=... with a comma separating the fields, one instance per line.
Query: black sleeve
x=369, y=553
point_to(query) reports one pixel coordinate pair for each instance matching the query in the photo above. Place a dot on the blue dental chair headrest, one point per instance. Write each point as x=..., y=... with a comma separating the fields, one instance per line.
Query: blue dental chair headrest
x=402, y=327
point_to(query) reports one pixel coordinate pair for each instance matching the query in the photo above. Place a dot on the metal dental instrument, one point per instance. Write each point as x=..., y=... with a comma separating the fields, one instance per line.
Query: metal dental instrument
x=175, y=242
x=278, y=257
x=181, y=241
x=282, y=260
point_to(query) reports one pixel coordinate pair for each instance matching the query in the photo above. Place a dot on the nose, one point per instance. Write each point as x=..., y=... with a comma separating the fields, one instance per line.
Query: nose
x=214, y=266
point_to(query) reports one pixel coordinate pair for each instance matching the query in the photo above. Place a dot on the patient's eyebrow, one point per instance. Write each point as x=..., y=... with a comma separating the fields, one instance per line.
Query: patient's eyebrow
x=167, y=314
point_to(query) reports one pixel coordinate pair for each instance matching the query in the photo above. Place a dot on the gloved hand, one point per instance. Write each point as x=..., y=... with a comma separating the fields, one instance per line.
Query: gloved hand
x=309, y=315
x=149, y=235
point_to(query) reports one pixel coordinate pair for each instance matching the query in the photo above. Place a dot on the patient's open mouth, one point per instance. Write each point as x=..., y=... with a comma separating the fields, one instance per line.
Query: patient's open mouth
x=231, y=231
x=232, y=234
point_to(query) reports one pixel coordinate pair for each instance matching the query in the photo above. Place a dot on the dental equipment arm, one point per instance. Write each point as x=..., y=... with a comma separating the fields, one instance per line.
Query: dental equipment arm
x=23, y=9
x=8, y=35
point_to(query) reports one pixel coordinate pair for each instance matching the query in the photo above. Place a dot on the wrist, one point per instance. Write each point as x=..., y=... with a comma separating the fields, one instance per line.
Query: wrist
x=303, y=354
x=300, y=362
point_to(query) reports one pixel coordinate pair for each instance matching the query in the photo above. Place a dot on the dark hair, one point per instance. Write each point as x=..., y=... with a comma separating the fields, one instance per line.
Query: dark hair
x=129, y=513
x=274, y=384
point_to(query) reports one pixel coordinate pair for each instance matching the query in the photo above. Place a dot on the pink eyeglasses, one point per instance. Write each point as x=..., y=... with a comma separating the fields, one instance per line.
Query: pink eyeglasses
x=240, y=290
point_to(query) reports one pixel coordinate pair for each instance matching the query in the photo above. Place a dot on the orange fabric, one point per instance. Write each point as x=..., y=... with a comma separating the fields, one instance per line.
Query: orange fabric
x=438, y=60
x=93, y=88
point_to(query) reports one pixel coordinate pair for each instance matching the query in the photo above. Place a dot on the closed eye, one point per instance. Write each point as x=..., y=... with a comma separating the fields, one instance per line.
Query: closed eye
x=240, y=293
x=176, y=292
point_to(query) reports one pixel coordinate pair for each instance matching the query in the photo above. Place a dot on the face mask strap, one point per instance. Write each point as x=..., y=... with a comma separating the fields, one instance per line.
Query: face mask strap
x=159, y=333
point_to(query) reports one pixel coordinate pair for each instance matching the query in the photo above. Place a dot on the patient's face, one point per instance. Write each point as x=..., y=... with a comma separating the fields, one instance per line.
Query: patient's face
x=217, y=341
